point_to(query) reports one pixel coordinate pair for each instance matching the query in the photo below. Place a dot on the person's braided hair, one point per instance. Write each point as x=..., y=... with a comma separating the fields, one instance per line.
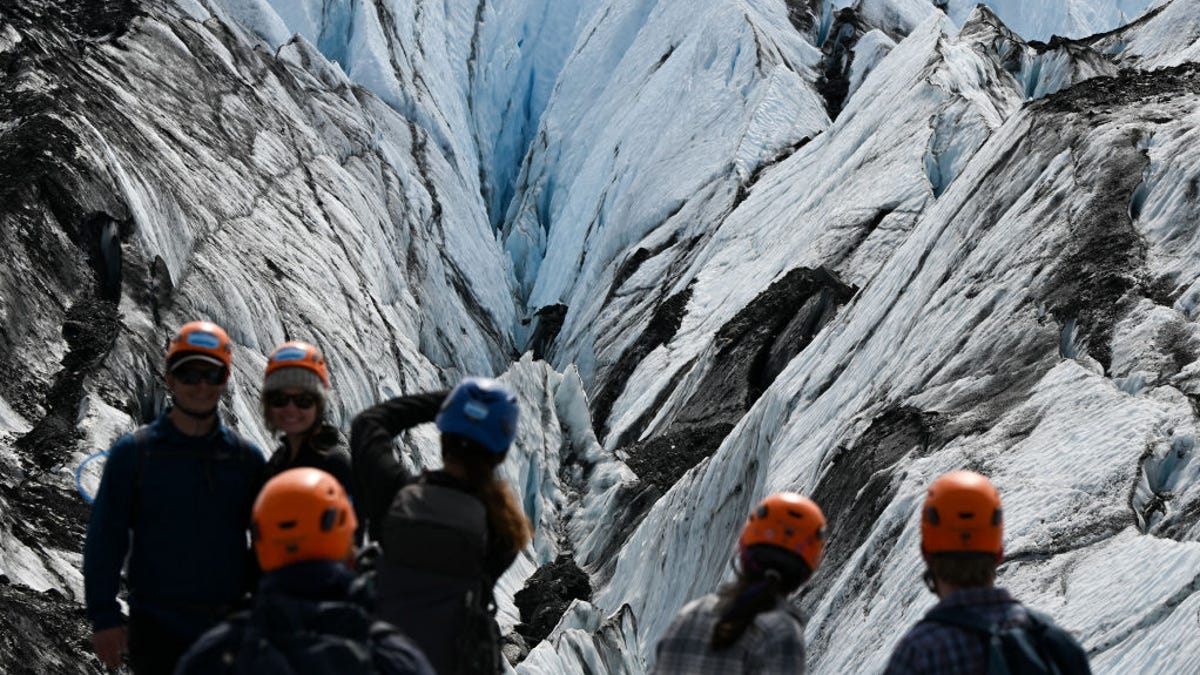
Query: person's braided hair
x=772, y=573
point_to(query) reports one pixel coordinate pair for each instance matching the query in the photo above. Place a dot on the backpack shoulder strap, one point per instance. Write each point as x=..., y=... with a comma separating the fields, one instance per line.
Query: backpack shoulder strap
x=1063, y=649
x=141, y=446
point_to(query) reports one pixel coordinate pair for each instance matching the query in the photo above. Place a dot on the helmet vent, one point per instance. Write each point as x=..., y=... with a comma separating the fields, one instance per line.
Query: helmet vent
x=328, y=519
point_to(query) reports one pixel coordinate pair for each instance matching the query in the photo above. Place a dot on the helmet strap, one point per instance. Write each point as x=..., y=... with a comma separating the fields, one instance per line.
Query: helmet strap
x=930, y=582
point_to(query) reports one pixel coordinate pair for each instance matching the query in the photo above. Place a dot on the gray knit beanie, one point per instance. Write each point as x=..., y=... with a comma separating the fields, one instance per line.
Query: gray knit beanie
x=299, y=378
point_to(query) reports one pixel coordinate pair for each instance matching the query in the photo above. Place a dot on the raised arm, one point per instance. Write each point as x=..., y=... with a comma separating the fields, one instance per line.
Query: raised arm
x=377, y=473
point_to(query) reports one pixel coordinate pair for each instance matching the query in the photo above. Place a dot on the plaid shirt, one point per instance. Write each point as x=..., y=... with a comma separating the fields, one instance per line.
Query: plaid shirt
x=938, y=649
x=774, y=643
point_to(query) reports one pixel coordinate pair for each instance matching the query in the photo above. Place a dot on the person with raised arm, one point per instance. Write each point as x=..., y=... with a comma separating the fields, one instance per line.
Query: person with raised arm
x=448, y=534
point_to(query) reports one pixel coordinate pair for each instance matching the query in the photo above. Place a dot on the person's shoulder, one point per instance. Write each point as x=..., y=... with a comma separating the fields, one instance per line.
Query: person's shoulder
x=214, y=647
x=697, y=610
x=239, y=443
x=918, y=638
x=337, y=455
x=908, y=653
x=124, y=445
x=784, y=618
x=395, y=654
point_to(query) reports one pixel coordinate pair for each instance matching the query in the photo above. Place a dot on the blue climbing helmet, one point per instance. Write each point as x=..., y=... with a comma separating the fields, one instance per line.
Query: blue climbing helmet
x=483, y=410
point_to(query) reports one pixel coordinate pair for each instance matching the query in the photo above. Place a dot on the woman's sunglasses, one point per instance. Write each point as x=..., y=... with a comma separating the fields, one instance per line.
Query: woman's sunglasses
x=280, y=400
x=194, y=376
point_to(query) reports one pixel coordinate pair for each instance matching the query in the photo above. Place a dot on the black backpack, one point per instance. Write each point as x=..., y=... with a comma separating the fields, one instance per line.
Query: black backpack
x=432, y=580
x=345, y=646
x=478, y=639
x=1038, y=648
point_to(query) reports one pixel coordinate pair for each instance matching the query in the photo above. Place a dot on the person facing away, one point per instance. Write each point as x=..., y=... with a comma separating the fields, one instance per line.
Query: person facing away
x=449, y=534
x=962, y=530
x=748, y=626
x=294, y=403
x=176, y=497
x=309, y=615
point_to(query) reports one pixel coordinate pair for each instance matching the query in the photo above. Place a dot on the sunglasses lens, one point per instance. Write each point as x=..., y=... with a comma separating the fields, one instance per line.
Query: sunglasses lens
x=194, y=376
x=301, y=401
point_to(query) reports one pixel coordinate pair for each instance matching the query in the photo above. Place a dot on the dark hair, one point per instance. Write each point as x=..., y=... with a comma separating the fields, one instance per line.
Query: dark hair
x=768, y=574
x=506, y=519
x=972, y=570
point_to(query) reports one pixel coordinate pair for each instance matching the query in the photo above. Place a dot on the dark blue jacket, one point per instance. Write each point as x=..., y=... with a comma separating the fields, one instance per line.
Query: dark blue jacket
x=307, y=617
x=179, y=506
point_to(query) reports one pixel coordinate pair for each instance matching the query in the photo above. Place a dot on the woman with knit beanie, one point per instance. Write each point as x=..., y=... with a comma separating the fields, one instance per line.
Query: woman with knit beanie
x=748, y=626
x=294, y=405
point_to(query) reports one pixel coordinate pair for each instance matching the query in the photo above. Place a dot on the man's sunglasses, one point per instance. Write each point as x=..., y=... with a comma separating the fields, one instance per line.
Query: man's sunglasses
x=280, y=400
x=194, y=376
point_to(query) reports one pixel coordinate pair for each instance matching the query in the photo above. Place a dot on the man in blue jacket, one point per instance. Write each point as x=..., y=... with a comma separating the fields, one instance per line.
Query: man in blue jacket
x=175, y=497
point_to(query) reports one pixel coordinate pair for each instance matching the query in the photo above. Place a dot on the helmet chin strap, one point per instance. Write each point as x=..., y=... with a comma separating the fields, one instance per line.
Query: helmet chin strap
x=929, y=581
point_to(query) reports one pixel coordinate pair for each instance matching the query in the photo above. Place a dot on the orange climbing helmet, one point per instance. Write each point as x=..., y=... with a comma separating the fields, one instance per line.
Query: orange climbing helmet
x=200, y=341
x=788, y=521
x=302, y=514
x=962, y=514
x=298, y=354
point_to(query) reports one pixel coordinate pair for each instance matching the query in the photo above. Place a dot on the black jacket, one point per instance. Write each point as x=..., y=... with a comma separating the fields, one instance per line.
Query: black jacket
x=307, y=618
x=441, y=558
x=324, y=450
x=377, y=473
